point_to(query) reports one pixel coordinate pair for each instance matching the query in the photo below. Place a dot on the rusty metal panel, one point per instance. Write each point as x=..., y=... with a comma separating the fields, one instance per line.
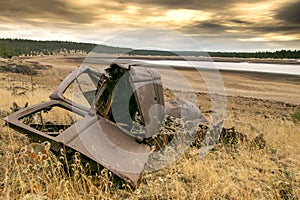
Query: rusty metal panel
x=148, y=90
x=184, y=109
x=108, y=145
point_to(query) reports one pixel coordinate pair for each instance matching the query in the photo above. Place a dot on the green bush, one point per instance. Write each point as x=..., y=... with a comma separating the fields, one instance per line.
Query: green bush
x=296, y=116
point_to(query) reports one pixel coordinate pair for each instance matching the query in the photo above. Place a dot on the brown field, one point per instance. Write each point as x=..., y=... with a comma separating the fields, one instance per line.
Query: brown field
x=256, y=104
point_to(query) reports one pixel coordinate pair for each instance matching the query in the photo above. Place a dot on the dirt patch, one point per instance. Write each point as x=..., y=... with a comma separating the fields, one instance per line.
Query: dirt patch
x=22, y=67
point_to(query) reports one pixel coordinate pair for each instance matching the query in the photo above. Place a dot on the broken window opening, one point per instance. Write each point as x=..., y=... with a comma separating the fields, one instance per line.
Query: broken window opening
x=83, y=89
x=52, y=120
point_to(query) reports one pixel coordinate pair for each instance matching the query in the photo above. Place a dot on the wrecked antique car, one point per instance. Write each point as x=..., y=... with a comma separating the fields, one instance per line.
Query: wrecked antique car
x=112, y=118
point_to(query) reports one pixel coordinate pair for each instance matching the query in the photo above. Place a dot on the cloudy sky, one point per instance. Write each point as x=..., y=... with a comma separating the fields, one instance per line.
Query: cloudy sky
x=215, y=25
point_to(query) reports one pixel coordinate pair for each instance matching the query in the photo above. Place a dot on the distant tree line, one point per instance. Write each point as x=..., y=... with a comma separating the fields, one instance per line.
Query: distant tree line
x=263, y=54
x=18, y=47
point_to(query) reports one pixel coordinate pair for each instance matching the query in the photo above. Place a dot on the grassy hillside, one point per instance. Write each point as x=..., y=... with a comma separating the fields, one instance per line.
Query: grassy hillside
x=232, y=171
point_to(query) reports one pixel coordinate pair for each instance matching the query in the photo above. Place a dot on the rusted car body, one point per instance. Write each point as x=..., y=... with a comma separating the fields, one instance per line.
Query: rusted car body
x=104, y=131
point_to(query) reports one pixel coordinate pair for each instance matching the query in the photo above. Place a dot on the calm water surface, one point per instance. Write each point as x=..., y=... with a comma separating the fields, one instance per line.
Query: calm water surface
x=242, y=66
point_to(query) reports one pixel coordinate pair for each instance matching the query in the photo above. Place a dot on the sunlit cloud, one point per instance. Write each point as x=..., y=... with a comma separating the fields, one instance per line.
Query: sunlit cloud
x=271, y=37
x=185, y=16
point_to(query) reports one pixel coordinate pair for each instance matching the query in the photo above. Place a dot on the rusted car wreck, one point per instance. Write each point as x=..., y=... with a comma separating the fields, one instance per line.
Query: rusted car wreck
x=119, y=102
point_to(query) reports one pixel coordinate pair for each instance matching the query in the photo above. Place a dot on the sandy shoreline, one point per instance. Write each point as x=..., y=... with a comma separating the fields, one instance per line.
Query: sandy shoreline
x=189, y=58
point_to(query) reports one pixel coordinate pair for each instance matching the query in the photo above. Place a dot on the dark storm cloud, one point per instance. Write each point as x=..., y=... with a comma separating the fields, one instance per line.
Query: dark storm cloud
x=210, y=25
x=238, y=21
x=283, y=28
x=290, y=13
x=50, y=10
x=243, y=27
x=205, y=27
x=216, y=29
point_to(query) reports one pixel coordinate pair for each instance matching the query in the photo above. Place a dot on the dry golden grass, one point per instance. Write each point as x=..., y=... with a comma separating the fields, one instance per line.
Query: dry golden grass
x=244, y=172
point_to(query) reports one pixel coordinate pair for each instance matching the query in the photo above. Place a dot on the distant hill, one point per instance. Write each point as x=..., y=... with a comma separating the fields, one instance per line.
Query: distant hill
x=18, y=47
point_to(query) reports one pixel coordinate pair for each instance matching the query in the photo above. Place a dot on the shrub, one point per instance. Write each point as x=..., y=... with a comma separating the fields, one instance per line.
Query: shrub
x=296, y=116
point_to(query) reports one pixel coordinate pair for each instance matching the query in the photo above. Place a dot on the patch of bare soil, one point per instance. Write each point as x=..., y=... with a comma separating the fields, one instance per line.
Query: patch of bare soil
x=22, y=67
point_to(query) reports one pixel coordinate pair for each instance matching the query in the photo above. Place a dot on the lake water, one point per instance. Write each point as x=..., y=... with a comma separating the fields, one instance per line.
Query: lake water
x=242, y=66
x=293, y=69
